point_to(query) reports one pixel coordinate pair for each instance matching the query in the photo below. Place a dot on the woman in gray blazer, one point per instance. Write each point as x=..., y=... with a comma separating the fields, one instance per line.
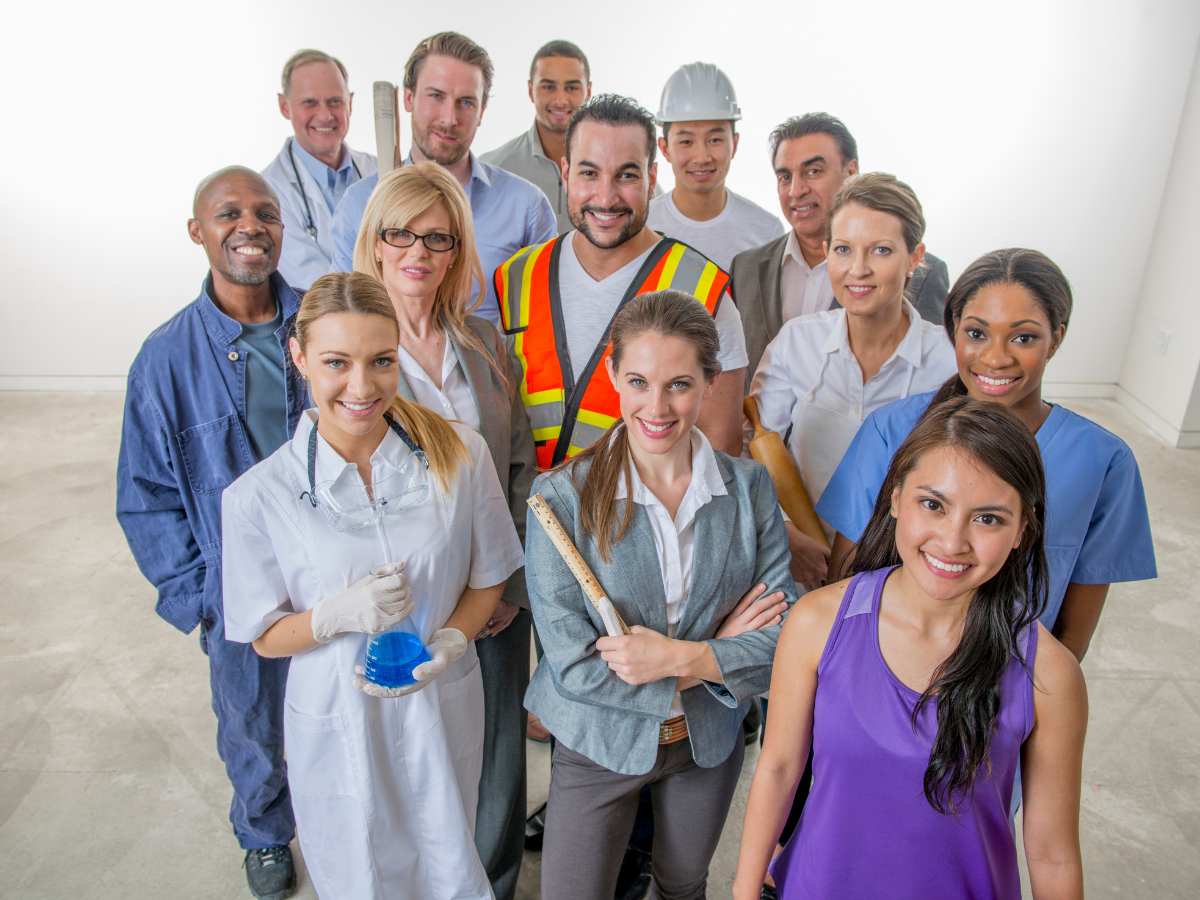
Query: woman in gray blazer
x=676, y=533
x=417, y=238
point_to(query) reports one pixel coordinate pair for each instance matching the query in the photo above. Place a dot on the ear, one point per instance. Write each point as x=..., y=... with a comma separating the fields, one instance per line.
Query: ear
x=1020, y=535
x=408, y=100
x=193, y=229
x=565, y=166
x=914, y=259
x=531, y=92
x=284, y=109
x=1056, y=341
x=736, y=137
x=349, y=105
x=895, y=503
x=378, y=250
x=298, y=356
x=653, y=175
x=852, y=169
x=612, y=372
x=824, y=248
x=662, y=148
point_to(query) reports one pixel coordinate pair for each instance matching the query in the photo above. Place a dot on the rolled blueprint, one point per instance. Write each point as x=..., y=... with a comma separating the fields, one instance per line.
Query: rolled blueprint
x=613, y=623
x=387, y=126
x=767, y=448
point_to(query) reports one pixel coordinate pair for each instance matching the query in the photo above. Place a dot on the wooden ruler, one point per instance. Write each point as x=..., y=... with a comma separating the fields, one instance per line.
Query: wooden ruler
x=575, y=562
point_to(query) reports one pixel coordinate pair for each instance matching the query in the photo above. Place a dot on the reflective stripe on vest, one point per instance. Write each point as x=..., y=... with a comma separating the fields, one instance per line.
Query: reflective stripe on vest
x=570, y=411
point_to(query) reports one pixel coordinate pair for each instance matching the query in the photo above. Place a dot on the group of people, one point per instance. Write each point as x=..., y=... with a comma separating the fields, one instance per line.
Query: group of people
x=337, y=438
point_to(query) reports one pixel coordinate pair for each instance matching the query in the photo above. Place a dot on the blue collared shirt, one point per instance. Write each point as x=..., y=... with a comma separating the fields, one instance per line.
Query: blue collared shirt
x=1097, y=524
x=332, y=181
x=509, y=213
x=184, y=439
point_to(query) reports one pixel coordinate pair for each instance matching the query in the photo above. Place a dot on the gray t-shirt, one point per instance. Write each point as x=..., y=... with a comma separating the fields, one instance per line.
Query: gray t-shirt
x=589, y=305
x=266, y=394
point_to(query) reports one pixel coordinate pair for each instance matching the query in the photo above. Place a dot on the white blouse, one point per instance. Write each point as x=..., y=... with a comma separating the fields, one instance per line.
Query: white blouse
x=454, y=399
x=810, y=380
x=674, y=538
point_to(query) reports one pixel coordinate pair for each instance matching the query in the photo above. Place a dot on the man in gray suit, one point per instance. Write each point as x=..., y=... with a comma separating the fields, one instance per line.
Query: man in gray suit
x=812, y=156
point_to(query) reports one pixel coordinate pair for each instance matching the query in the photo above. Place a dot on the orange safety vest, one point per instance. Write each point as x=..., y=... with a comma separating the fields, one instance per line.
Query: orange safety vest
x=567, y=413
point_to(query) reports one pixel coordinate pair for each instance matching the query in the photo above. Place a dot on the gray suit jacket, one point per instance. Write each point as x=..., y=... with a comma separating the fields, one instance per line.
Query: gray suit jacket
x=739, y=541
x=754, y=286
x=504, y=426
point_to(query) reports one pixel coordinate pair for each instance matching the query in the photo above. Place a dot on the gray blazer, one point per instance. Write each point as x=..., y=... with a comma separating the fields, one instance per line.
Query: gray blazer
x=754, y=286
x=739, y=541
x=504, y=426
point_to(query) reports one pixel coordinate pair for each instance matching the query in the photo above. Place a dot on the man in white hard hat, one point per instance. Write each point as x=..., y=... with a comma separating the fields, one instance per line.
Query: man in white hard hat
x=560, y=81
x=316, y=165
x=697, y=112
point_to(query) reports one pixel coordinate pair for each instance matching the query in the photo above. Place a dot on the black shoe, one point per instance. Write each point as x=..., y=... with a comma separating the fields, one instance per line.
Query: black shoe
x=270, y=872
x=633, y=881
x=535, y=829
x=751, y=724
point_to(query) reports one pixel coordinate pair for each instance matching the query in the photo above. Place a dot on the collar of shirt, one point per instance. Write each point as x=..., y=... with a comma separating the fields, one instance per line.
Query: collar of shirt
x=707, y=482
x=534, y=142
x=320, y=172
x=224, y=328
x=340, y=476
x=911, y=348
x=791, y=250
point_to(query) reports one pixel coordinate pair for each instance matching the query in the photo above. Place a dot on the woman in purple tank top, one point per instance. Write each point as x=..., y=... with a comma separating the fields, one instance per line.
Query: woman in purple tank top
x=921, y=685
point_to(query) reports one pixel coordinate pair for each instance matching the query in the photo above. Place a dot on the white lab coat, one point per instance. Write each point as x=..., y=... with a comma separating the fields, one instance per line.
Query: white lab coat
x=304, y=258
x=384, y=791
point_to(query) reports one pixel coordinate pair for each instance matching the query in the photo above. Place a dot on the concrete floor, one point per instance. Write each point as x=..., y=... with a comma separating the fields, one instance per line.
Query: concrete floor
x=110, y=785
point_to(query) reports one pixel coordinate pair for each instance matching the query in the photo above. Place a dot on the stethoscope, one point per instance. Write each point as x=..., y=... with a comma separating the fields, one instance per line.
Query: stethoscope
x=311, y=494
x=311, y=227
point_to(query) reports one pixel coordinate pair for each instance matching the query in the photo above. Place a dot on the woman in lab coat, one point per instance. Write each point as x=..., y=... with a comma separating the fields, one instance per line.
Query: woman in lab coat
x=377, y=515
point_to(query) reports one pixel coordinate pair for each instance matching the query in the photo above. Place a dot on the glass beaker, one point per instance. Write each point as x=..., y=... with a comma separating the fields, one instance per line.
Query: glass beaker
x=391, y=657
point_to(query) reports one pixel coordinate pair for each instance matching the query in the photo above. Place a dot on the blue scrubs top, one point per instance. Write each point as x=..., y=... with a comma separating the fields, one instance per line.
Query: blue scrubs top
x=1097, y=525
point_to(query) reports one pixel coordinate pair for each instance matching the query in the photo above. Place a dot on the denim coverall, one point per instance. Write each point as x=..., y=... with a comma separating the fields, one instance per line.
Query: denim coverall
x=183, y=441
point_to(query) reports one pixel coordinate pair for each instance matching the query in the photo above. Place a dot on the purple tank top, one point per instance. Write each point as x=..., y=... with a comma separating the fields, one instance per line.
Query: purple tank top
x=867, y=830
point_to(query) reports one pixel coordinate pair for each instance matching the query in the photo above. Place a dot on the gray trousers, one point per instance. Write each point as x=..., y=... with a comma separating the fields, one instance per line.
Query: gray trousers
x=590, y=814
x=500, y=816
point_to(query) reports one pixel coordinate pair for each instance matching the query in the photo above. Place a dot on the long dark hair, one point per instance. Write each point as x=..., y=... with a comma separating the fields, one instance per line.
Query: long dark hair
x=967, y=683
x=1032, y=270
x=670, y=314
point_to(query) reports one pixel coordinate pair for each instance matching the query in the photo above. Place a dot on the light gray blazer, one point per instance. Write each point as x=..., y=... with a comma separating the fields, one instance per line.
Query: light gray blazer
x=503, y=424
x=754, y=279
x=739, y=541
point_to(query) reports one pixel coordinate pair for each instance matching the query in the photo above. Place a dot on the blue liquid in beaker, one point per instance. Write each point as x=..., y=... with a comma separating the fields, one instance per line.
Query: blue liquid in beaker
x=391, y=658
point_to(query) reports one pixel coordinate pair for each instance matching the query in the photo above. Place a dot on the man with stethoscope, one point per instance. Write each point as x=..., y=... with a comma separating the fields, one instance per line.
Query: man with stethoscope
x=316, y=165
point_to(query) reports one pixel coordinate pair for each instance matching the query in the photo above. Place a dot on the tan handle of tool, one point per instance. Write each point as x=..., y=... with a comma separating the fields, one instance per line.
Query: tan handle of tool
x=387, y=125
x=768, y=448
x=570, y=555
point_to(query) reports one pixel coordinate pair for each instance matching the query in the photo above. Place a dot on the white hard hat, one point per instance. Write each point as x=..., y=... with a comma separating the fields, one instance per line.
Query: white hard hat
x=698, y=92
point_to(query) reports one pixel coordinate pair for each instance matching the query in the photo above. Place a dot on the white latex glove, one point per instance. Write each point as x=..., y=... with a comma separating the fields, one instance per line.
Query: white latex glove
x=374, y=603
x=446, y=646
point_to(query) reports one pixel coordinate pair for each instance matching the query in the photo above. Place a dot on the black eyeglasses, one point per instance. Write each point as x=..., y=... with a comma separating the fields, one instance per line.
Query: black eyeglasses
x=437, y=241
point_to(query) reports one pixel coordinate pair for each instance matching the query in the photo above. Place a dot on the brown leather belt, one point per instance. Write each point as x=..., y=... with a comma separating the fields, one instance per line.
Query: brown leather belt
x=672, y=731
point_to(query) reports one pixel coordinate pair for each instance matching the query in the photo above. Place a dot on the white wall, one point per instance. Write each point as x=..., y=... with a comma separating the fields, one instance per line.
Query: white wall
x=1161, y=377
x=1043, y=124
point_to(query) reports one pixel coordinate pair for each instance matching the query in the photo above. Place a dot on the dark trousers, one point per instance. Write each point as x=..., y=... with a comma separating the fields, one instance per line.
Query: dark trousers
x=500, y=819
x=247, y=698
x=591, y=810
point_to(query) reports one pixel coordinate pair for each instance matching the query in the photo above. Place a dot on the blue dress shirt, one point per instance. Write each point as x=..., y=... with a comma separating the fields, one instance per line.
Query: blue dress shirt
x=508, y=212
x=1097, y=524
x=332, y=182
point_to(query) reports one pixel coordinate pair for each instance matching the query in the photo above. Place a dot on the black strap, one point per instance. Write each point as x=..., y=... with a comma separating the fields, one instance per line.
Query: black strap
x=311, y=493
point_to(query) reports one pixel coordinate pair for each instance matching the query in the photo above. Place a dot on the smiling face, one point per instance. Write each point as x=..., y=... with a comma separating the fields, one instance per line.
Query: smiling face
x=350, y=363
x=1002, y=342
x=446, y=107
x=237, y=221
x=956, y=522
x=318, y=106
x=415, y=273
x=559, y=86
x=661, y=386
x=868, y=261
x=609, y=181
x=700, y=154
x=808, y=172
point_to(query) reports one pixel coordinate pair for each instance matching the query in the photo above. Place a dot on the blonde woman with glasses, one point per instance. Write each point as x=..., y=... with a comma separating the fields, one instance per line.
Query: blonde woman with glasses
x=417, y=239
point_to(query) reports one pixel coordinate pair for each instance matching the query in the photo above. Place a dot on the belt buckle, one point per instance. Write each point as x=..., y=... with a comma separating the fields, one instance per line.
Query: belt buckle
x=673, y=730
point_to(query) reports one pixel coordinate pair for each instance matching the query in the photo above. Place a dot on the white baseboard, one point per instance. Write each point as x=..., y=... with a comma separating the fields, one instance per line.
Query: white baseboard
x=1168, y=433
x=67, y=384
x=1078, y=390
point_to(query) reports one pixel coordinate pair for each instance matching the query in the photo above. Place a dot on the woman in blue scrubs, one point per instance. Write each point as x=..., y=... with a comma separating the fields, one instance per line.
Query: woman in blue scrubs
x=1007, y=315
